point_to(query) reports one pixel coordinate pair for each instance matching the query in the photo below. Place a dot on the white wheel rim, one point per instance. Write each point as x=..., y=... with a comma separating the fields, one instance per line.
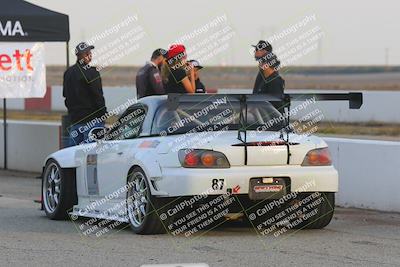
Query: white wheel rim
x=137, y=201
x=51, y=187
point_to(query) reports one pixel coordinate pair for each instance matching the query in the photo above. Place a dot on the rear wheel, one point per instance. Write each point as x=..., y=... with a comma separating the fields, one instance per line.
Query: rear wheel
x=321, y=214
x=142, y=206
x=57, y=188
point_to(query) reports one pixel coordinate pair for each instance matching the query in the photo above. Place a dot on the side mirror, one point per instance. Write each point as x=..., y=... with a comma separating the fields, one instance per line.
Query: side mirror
x=97, y=133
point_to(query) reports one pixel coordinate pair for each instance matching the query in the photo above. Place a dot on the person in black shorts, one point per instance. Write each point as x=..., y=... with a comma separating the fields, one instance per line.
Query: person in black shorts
x=174, y=72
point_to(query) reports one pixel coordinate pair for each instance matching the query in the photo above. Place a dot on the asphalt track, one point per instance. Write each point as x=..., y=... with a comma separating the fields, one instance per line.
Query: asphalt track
x=27, y=238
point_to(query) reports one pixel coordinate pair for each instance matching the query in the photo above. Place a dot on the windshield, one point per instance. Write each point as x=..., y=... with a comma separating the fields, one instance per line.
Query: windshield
x=215, y=115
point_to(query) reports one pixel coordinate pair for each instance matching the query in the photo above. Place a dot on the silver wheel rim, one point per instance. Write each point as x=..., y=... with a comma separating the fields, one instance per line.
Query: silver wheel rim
x=137, y=200
x=52, y=187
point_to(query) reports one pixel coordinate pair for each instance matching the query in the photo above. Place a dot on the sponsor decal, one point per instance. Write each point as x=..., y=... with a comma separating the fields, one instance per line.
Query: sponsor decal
x=267, y=188
x=157, y=77
x=236, y=189
x=149, y=144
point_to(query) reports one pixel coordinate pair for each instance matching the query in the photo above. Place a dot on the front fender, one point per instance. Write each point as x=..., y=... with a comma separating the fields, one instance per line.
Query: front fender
x=70, y=157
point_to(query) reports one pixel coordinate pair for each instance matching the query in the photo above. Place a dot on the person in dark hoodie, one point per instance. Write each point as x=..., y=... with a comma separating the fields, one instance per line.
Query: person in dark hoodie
x=268, y=79
x=83, y=92
x=148, y=78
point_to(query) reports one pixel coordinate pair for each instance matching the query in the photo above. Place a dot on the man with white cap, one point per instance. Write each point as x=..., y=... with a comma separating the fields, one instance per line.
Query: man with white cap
x=83, y=92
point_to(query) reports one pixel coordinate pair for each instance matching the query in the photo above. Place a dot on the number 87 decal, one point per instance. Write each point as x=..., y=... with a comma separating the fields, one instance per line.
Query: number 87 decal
x=217, y=184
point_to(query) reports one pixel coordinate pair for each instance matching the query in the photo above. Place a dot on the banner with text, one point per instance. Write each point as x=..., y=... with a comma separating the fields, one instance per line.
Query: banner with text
x=22, y=70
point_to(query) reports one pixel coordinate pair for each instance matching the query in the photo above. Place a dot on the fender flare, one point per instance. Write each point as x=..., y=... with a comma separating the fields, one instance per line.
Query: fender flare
x=66, y=158
x=147, y=161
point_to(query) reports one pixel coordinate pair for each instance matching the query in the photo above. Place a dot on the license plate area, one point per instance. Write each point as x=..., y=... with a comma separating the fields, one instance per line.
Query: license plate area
x=268, y=187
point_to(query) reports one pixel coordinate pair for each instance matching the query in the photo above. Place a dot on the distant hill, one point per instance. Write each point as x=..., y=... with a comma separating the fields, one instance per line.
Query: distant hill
x=326, y=77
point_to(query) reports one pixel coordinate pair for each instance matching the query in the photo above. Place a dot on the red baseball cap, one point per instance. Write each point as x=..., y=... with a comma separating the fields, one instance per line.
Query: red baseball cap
x=175, y=50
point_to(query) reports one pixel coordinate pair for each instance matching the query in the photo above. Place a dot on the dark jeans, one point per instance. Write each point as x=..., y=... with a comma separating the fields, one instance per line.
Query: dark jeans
x=78, y=133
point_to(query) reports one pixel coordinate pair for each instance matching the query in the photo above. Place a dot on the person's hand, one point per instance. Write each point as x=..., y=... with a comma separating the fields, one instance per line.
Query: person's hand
x=191, y=72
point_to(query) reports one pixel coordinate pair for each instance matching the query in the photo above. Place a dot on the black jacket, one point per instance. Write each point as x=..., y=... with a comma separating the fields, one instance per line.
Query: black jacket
x=273, y=84
x=83, y=93
x=148, y=81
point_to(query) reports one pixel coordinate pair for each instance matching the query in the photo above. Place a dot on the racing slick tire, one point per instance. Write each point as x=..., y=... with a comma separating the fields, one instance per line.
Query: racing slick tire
x=323, y=212
x=142, y=206
x=58, y=190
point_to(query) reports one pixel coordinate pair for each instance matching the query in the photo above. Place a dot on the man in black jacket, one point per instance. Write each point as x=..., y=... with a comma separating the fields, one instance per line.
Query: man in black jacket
x=148, y=78
x=83, y=94
x=261, y=49
x=268, y=80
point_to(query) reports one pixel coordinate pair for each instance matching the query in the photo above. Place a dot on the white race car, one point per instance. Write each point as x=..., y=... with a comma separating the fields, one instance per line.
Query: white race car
x=181, y=154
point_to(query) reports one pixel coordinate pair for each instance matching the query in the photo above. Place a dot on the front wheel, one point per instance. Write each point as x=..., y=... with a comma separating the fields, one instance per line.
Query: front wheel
x=57, y=191
x=142, y=206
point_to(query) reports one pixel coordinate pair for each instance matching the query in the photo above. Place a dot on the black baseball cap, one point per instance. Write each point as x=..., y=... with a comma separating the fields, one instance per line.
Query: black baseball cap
x=159, y=52
x=263, y=45
x=195, y=64
x=83, y=47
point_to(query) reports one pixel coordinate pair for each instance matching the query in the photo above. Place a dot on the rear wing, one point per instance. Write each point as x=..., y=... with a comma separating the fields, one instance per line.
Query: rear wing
x=355, y=99
x=175, y=99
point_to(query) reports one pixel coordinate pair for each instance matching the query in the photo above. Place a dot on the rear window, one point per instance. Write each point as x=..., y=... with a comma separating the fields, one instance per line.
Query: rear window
x=216, y=115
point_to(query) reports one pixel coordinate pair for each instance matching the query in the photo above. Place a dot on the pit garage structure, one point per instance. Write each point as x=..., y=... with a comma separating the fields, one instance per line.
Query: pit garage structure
x=39, y=25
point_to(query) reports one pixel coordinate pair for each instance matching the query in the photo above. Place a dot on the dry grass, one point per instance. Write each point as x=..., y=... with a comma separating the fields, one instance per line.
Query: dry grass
x=324, y=77
x=330, y=128
x=32, y=115
x=368, y=128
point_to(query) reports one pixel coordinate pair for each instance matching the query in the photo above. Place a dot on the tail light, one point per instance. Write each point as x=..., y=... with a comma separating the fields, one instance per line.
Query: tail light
x=318, y=157
x=201, y=158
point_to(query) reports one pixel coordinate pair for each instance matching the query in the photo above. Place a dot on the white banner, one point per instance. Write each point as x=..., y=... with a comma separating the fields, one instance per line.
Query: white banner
x=22, y=70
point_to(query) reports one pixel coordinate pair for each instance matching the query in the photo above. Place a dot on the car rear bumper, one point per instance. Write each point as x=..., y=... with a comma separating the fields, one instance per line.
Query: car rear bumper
x=188, y=182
